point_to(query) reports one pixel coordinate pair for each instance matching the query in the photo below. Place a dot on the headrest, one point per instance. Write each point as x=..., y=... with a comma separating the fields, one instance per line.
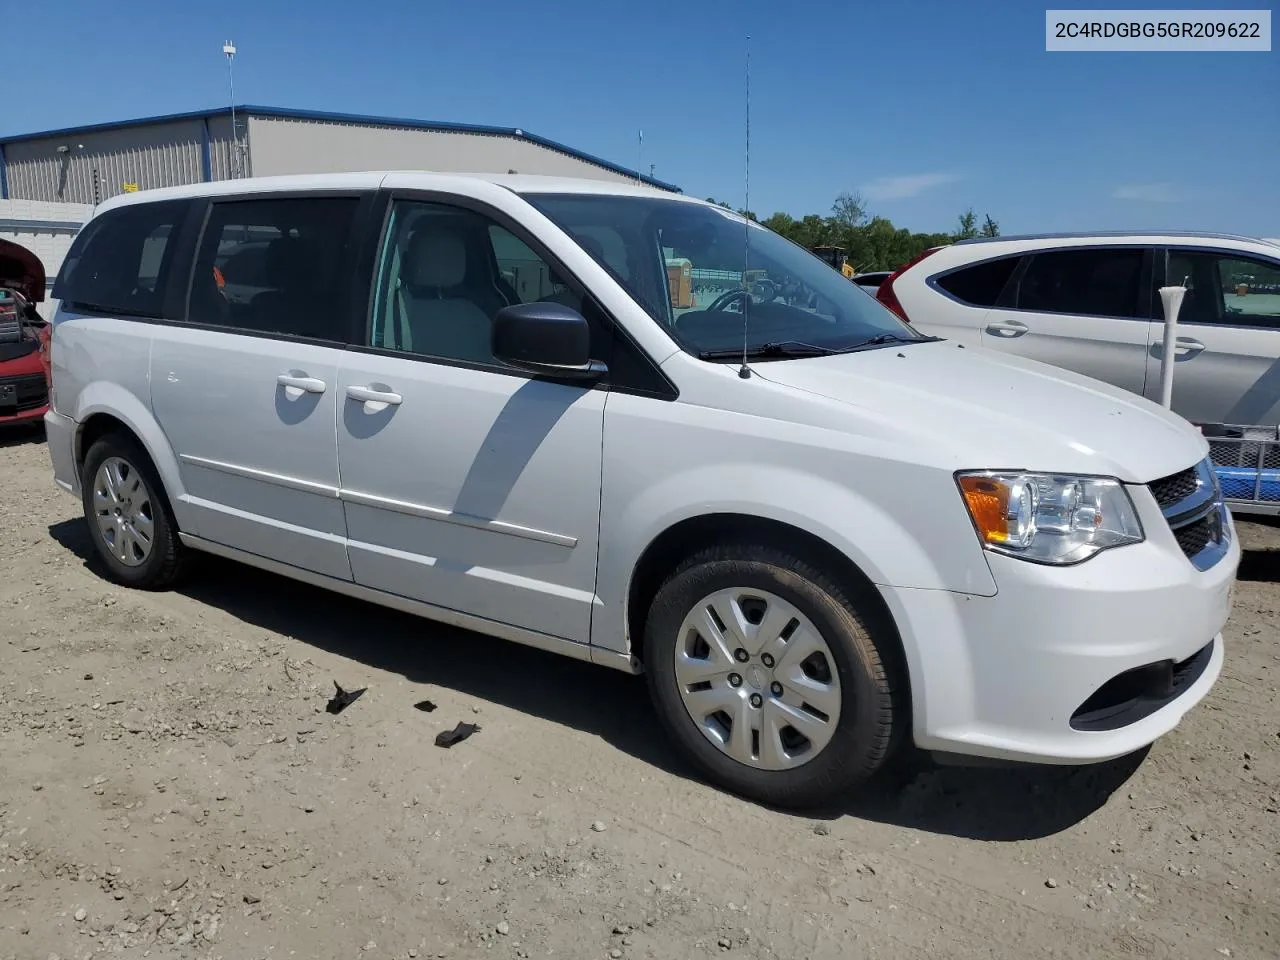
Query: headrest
x=436, y=257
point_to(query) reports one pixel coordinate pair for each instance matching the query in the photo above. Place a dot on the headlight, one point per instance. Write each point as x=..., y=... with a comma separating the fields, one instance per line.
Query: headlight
x=1047, y=518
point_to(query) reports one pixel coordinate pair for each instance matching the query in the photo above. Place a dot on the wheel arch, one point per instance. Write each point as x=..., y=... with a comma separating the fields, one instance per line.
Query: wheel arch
x=680, y=540
x=105, y=408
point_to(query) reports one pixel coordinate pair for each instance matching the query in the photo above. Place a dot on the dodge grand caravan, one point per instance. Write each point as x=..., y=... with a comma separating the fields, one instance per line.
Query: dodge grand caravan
x=816, y=531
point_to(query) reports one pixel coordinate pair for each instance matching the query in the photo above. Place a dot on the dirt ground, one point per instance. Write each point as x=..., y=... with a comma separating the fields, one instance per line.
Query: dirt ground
x=173, y=787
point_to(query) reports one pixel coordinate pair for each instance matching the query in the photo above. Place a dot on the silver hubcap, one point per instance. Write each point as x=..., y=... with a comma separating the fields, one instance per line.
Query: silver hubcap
x=122, y=508
x=758, y=679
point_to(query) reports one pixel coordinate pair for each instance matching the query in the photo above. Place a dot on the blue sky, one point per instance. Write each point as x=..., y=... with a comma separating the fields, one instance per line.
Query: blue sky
x=923, y=107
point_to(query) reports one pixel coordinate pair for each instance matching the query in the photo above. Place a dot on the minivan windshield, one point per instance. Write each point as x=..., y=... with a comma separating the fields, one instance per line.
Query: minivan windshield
x=708, y=276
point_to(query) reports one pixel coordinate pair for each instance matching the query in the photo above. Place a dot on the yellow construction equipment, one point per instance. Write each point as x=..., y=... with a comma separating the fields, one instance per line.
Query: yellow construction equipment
x=835, y=258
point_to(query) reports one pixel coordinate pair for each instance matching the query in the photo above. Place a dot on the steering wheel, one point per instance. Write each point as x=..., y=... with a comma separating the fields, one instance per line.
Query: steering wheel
x=723, y=301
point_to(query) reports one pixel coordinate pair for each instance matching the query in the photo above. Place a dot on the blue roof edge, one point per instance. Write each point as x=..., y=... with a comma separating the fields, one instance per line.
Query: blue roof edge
x=287, y=113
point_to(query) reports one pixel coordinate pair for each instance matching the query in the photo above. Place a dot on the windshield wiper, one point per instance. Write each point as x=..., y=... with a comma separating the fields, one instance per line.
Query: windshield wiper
x=774, y=348
x=781, y=349
x=881, y=339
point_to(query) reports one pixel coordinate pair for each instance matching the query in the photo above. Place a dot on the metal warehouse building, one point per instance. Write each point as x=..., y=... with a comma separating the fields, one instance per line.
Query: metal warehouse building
x=90, y=164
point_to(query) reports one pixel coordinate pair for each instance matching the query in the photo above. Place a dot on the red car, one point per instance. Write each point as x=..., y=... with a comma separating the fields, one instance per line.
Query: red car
x=24, y=337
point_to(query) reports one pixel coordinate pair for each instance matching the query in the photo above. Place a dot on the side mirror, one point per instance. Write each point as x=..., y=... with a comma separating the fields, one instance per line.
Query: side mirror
x=545, y=338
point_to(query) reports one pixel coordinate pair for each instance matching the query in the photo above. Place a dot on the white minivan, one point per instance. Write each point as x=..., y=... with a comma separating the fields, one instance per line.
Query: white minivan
x=818, y=532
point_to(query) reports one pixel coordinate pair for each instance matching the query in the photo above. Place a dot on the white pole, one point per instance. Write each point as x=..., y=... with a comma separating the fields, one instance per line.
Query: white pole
x=229, y=49
x=1171, y=297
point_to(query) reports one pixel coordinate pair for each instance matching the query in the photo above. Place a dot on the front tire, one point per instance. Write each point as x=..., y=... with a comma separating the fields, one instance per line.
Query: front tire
x=770, y=676
x=129, y=518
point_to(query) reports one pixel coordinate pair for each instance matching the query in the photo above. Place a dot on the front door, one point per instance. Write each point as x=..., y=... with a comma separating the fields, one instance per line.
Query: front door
x=1227, y=358
x=1086, y=310
x=247, y=392
x=467, y=485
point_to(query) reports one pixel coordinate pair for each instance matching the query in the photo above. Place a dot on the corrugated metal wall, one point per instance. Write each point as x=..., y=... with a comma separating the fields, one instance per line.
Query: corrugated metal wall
x=149, y=155
x=172, y=153
x=220, y=145
x=280, y=146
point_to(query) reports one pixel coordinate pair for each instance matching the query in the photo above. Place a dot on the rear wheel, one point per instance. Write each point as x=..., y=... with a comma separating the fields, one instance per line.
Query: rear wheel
x=769, y=676
x=130, y=522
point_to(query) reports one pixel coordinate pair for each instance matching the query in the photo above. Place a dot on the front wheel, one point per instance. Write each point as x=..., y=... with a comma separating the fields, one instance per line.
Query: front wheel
x=769, y=676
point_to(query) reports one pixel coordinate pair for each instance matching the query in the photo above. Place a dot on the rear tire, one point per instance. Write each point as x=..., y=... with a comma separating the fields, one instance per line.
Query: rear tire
x=813, y=702
x=130, y=521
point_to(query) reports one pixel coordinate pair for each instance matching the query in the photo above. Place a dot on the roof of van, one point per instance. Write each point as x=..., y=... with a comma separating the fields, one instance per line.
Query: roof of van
x=404, y=179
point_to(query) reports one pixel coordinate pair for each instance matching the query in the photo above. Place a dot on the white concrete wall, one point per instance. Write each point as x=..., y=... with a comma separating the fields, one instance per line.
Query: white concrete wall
x=46, y=229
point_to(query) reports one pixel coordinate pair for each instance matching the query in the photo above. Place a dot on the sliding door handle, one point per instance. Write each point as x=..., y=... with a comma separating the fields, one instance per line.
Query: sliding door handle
x=370, y=395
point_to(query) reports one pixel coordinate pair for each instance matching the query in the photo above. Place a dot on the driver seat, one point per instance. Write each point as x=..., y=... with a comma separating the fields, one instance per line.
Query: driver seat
x=444, y=314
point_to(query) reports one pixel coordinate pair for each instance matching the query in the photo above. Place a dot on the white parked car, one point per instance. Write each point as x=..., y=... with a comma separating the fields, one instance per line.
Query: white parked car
x=472, y=399
x=1089, y=303
x=871, y=282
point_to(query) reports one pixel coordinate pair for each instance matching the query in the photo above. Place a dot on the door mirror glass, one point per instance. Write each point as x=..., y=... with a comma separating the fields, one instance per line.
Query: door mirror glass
x=547, y=338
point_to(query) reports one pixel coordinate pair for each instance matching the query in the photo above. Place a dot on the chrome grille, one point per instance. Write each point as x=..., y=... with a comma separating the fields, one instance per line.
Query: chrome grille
x=1191, y=502
x=1169, y=490
x=1194, y=537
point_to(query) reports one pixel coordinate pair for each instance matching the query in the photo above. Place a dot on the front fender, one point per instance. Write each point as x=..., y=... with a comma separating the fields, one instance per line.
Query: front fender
x=883, y=548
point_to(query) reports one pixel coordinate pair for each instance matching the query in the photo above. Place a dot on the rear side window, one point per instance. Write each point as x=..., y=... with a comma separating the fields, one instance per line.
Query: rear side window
x=276, y=266
x=120, y=261
x=981, y=284
x=1100, y=282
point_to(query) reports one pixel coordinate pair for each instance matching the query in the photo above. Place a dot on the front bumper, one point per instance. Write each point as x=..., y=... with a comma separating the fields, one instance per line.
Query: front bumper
x=1030, y=673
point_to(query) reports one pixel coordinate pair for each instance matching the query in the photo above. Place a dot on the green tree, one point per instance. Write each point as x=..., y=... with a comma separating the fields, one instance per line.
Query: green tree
x=968, y=225
x=849, y=210
x=871, y=243
x=781, y=223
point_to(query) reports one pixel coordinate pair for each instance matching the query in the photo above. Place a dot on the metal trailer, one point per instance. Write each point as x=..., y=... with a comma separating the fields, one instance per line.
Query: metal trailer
x=1247, y=461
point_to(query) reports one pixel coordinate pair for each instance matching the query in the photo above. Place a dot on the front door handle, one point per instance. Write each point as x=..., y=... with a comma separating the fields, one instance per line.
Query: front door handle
x=1007, y=328
x=300, y=382
x=370, y=395
x=1187, y=347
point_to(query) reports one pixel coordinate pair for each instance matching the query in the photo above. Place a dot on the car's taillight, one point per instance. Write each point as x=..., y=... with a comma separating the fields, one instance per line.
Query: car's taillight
x=886, y=294
x=45, y=338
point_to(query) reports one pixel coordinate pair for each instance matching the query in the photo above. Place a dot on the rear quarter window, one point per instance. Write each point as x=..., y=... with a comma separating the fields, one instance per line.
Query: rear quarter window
x=981, y=284
x=119, y=263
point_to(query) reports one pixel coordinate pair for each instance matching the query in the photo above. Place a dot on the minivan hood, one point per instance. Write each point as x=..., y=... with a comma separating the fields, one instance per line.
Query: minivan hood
x=990, y=410
x=21, y=270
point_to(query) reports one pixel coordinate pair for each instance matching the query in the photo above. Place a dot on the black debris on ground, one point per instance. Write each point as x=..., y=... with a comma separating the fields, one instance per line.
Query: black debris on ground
x=343, y=698
x=459, y=733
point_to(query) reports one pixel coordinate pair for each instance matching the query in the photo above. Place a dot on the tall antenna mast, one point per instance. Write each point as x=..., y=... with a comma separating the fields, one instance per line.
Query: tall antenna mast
x=744, y=371
x=229, y=49
x=639, y=155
